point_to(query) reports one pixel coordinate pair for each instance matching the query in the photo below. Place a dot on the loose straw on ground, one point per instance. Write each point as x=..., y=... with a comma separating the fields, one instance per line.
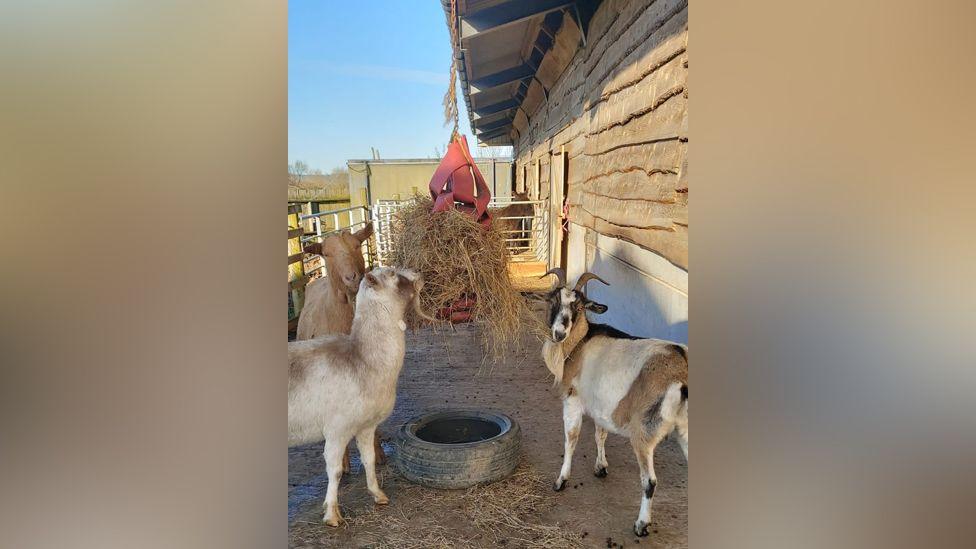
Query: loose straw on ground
x=507, y=512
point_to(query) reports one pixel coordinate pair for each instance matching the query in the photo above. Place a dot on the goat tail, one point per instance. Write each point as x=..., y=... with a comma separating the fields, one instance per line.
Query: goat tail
x=681, y=421
x=674, y=399
x=683, y=410
x=681, y=415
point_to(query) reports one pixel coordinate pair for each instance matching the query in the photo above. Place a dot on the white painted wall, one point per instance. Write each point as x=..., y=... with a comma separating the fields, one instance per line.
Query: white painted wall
x=648, y=295
x=576, y=250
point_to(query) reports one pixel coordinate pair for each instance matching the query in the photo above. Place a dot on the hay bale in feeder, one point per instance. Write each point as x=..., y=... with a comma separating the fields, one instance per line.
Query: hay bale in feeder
x=460, y=258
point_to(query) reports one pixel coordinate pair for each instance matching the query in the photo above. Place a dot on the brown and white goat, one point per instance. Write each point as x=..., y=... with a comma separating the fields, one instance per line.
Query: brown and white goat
x=342, y=386
x=330, y=301
x=630, y=386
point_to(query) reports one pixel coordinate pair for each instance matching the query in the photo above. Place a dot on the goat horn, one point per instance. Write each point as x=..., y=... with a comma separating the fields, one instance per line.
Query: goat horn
x=560, y=274
x=586, y=277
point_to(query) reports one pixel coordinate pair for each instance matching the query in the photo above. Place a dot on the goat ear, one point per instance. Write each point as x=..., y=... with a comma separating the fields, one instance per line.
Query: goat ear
x=597, y=308
x=314, y=248
x=362, y=234
x=371, y=280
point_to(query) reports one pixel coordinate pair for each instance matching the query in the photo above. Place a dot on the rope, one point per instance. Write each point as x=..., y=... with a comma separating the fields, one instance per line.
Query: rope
x=450, y=97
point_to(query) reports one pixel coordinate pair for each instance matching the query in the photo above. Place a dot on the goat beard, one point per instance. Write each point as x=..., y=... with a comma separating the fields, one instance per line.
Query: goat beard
x=555, y=359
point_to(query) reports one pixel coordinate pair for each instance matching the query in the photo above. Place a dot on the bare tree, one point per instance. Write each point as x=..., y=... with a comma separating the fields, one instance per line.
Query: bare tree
x=297, y=170
x=492, y=152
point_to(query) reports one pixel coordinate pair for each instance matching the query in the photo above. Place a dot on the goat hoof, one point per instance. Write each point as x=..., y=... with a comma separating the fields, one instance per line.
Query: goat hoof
x=331, y=521
x=600, y=473
x=559, y=485
x=381, y=499
x=640, y=529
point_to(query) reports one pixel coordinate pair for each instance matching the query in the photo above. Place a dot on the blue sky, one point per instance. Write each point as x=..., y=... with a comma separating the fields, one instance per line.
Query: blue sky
x=364, y=74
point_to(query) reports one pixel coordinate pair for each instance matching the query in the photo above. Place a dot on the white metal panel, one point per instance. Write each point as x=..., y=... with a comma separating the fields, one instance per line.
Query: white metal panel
x=648, y=295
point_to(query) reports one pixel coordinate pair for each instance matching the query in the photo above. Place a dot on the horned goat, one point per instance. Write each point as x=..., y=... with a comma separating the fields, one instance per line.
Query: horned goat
x=341, y=386
x=630, y=386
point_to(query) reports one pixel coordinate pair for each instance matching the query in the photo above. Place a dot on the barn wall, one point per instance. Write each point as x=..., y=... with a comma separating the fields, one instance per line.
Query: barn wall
x=618, y=108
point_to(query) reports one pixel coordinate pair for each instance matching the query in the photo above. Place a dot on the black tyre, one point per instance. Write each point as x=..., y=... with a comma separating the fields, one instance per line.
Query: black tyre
x=457, y=448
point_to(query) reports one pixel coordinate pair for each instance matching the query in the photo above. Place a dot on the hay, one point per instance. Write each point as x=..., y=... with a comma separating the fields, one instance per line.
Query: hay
x=507, y=513
x=457, y=256
x=504, y=513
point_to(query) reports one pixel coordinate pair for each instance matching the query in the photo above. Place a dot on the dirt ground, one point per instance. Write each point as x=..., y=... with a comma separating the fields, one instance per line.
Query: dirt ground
x=444, y=370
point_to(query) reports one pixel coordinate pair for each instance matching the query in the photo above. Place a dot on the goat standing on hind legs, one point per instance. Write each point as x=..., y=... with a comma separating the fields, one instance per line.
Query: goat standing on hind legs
x=341, y=386
x=330, y=301
x=630, y=386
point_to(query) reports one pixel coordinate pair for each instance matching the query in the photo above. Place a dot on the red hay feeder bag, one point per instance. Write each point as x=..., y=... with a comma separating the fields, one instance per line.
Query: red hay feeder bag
x=458, y=184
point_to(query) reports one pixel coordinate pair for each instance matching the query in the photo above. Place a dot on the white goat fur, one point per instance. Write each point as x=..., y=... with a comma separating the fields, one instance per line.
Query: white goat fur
x=330, y=300
x=629, y=386
x=342, y=386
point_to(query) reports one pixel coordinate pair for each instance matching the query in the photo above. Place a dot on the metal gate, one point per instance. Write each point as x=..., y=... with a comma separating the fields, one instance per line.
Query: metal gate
x=525, y=224
x=331, y=222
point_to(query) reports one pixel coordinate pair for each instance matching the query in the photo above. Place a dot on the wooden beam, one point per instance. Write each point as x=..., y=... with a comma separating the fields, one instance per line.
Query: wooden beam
x=500, y=78
x=496, y=107
x=492, y=125
x=296, y=269
x=493, y=134
x=483, y=22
